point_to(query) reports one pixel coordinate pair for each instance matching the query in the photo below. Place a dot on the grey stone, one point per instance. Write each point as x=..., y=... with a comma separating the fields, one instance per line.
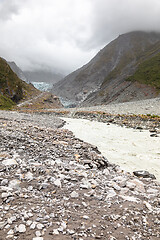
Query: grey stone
x=40, y=226
x=6, y=194
x=57, y=183
x=37, y=238
x=15, y=184
x=144, y=174
x=74, y=194
x=21, y=228
x=4, y=182
x=38, y=234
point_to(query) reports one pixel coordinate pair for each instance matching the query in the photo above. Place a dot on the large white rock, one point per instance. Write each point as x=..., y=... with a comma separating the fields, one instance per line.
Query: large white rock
x=9, y=162
x=139, y=185
x=40, y=226
x=130, y=198
x=58, y=183
x=85, y=184
x=38, y=234
x=6, y=194
x=106, y=172
x=74, y=194
x=37, y=238
x=29, y=176
x=111, y=193
x=21, y=228
x=14, y=184
x=11, y=232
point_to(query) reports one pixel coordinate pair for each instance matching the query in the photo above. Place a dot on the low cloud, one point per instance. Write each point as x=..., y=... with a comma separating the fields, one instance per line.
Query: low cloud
x=8, y=8
x=112, y=18
x=65, y=34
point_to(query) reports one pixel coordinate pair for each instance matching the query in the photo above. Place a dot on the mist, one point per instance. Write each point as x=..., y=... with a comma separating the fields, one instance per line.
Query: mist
x=63, y=35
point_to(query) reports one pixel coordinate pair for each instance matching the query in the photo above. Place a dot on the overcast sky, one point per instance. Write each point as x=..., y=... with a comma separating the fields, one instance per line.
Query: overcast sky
x=66, y=34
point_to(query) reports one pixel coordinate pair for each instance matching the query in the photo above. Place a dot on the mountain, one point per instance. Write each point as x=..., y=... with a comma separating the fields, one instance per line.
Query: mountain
x=43, y=76
x=12, y=88
x=43, y=79
x=126, y=69
x=18, y=71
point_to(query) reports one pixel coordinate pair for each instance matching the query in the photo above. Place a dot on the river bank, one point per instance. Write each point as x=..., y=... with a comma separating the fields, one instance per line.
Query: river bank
x=55, y=186
x=131, y=149
x=143, y=114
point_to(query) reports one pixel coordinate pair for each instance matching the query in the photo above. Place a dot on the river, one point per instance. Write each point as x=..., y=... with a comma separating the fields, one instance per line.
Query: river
x=129, y=148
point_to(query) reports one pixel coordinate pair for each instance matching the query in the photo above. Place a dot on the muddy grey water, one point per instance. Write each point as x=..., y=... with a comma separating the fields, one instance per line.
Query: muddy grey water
x=129, y=148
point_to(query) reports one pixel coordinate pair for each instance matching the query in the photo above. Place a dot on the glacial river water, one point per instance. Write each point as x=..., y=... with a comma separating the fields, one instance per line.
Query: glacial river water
x=129, y=148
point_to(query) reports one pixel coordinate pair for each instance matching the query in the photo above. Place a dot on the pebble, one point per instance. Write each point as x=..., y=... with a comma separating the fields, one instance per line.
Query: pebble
x=29, y=176
x=110, y=194
x=40, y=226
x=9, y=162
x=10, y=232
x=55, y=232
x=144, y=174
x=21, y=228
x=4, y=182
x=85, y=184
x=58, y=183
x=15, y=184
x=55, y=190
x=29, y=222
x=32, y=226
x=37, y=238
x=38, y=234
x=71, y=232
x=85, y=217
x=139, y=186
x=74, y=194
x=6, y=195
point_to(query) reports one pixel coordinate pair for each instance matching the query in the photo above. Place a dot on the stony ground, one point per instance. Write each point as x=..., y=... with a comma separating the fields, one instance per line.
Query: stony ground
x=54, y=186
x=39, y=102
x=149, y=106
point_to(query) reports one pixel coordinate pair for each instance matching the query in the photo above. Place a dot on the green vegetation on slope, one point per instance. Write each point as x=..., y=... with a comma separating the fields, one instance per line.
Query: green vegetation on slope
x=125, y=59
x=10, y=84
x=6, y=103
x=148, y=72
x=140, y=49
x=13, y=89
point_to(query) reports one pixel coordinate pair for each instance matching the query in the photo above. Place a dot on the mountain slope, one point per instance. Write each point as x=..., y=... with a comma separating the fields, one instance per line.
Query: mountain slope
x=13, y=89
x=18, y=71
x=106, y=77
x=148, y=72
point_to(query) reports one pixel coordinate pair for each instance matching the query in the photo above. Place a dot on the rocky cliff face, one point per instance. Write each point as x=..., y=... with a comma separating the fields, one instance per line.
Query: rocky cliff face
x=107, y=77
x=18, y=71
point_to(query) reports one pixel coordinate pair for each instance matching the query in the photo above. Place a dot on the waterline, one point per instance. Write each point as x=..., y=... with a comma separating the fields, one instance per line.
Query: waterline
x=129, y=148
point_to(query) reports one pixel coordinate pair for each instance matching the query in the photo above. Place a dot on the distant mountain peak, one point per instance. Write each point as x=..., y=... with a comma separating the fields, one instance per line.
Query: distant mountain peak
x=104, y=78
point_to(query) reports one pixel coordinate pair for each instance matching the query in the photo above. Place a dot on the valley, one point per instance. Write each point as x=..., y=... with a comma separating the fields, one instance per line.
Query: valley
x=82, y=161
x=55, y=186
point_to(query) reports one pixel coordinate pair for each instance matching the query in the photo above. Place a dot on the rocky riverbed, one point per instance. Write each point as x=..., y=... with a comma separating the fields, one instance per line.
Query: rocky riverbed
x=144, y=114
x=132, y=149
x=55, y=186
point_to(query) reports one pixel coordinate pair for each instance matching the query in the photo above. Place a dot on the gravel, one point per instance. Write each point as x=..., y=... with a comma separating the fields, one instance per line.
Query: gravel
x=149, y=106
x=55, y=186
x=37, y=119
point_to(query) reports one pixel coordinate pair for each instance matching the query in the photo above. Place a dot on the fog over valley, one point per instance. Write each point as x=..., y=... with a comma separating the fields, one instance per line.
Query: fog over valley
x=63, y=35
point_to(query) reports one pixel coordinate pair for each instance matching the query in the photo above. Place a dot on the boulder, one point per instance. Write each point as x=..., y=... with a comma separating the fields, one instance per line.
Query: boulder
x=144, y=174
